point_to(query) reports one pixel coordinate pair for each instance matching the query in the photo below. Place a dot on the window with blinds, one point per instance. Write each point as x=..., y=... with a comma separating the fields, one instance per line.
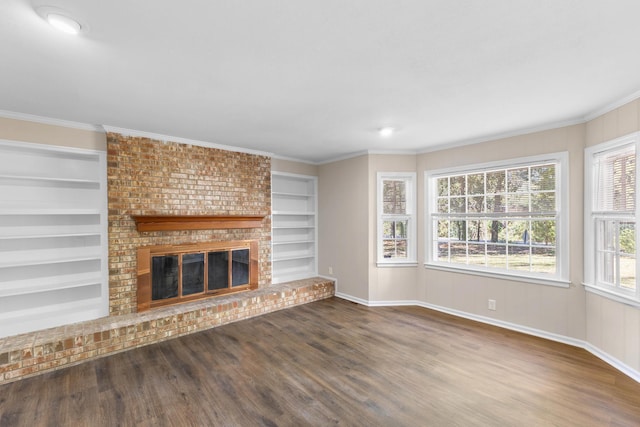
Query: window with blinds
x=610, y=228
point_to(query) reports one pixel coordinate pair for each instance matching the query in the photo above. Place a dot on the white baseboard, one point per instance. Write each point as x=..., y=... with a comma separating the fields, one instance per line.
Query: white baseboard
x=619, y=365
x=352, y=299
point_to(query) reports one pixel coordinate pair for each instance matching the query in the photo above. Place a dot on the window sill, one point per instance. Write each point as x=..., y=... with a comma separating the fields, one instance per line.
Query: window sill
x=625, y=299
x=397, y=264
x=559, y=283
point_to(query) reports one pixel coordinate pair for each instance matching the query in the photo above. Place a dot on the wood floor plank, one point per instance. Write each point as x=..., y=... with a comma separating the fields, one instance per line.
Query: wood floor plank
x=333, y=362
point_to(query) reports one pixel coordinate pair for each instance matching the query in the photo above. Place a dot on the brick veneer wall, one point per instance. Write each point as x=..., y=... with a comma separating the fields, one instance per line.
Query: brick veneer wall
x=150, y=177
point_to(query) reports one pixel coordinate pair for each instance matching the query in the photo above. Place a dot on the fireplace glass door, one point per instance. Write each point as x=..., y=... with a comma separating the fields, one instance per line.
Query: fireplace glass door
x=219, y=268
x=240, y=267
x=172, y=274
x=189, y=274
x=164, y=277
x=192, y=274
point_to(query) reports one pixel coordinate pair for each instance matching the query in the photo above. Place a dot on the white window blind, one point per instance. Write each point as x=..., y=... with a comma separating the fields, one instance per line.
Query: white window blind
x=615, y=180
x=610, y=219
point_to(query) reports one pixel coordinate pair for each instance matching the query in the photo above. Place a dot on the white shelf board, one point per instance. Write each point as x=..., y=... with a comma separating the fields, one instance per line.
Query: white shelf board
x=291, y=258
x=45, y=211
x=292, y=195
x=61, y=260
x=293, y=242
x=47, y=236
x=23, y=287
x=291, y=213
x=50, y=179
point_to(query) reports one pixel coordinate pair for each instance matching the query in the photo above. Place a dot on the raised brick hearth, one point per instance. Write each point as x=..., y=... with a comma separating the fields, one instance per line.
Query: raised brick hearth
x=34, y=353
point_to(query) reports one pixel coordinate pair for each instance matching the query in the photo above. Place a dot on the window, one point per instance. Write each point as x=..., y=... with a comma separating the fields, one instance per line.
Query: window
x=503, y=218
x=610, y=221
x=396, y=219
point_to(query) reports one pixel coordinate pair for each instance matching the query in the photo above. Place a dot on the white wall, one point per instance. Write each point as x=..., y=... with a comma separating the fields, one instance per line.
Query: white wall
x=343, y=225
x=288, y=166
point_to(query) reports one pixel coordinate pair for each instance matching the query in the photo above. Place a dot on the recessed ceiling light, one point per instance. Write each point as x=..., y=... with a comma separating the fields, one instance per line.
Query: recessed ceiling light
x=64, y=23
x=386, y=132
x=62, y=20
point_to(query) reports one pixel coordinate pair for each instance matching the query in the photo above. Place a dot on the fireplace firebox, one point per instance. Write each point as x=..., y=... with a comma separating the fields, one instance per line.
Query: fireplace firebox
x=179, y=273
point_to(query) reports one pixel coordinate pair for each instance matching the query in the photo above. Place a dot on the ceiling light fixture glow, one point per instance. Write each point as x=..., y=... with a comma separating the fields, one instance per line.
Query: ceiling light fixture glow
x=386, y=132
x=64, y=23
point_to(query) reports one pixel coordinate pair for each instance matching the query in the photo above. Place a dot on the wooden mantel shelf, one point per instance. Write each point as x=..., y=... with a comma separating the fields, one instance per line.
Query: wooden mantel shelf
x=195, y=222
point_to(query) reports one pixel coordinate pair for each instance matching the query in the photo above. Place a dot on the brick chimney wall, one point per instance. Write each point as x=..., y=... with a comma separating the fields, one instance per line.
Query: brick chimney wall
x=151, y=177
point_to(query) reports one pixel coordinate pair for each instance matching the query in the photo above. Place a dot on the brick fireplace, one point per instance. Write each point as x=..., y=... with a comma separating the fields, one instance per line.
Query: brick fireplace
x=149, y=177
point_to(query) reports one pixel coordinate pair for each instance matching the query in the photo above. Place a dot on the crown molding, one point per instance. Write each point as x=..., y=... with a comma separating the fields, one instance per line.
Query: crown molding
x=394, y=152
x=168, y=138
x=293, y=159
x=612, y=106
x=345, y=157
x=50, y=121
x=498, y=136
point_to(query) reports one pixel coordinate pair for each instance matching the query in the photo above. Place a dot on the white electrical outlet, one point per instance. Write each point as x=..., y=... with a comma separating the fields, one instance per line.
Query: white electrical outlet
x=492, y=304
x=330, y=270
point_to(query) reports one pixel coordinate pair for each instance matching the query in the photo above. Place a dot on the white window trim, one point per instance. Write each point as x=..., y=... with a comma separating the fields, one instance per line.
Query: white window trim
x=561, y=279
x=590, y=283
x=412, y=259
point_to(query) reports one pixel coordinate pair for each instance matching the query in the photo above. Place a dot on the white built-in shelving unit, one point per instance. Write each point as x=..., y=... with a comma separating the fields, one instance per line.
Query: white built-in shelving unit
x=53, y=236
x=294, y=222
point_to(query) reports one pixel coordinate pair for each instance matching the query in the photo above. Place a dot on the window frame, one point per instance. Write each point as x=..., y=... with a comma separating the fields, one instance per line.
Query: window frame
x=592, y=216
x=410, y=215
x=561, y=277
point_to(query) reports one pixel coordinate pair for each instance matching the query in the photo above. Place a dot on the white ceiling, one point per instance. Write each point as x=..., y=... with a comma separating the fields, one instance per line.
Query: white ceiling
x=315, y=79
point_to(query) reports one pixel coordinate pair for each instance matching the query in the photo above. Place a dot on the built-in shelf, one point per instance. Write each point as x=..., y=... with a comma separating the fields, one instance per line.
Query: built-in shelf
x=294, y=226
x=195, y=222
x=53, y=236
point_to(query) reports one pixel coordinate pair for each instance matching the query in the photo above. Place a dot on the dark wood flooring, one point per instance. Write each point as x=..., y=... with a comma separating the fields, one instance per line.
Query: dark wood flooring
x=333, y=362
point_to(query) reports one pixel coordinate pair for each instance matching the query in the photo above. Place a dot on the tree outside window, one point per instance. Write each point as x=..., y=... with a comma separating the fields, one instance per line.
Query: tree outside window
x=497, y=218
